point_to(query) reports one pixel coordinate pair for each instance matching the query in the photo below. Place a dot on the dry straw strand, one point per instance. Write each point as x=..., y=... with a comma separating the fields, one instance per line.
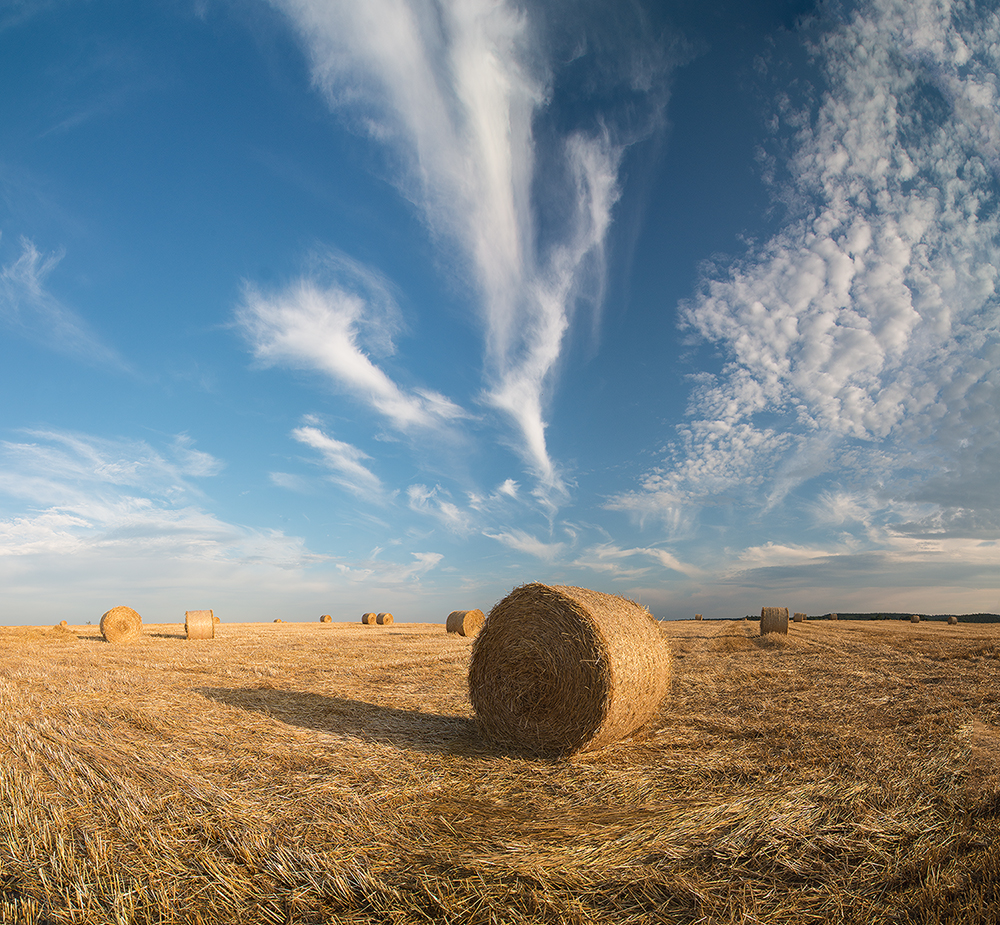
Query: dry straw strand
x=326, y=618
x=383, y=619
x=121, y=624
x=199, y=624
x=465, y=622
x=557, y=670
x=799, y=617
x=773, y=620
x=369, y=618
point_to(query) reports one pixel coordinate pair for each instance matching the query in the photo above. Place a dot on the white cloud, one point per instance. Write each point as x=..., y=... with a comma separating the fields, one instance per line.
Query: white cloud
x=389, y=574
x=861, y=339
x=29, y=309
x=320, y=326
x=521, y=541
x=435, y=502
x=452, y=90
x=345, y=464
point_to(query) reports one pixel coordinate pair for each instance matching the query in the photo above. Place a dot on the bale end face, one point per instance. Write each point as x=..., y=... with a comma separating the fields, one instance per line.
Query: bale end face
x=326, y=618
x=383, y=619
x=199, y=624
x=557, y=670
x=121, y=624
x=465, y=622
x=773, y=620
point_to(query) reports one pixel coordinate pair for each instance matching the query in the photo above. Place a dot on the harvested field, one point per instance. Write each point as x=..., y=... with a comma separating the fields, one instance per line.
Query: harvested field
x=308, y=773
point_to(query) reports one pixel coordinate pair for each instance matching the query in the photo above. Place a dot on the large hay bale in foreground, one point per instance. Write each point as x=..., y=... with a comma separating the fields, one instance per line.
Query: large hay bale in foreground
x=121, y=624
x=952, y=620
x=557, y=670
x=799, y=617
x=198, y=624
x=773, y=620
x=383, y=619
x=326, y=618
x=465, y=622
x=369, y=618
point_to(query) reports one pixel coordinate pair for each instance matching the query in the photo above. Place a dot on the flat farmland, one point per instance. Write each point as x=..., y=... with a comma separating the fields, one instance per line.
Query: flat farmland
x=308, y=773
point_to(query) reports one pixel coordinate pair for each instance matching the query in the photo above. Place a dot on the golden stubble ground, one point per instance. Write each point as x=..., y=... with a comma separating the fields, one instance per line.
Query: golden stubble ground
x=307, y=773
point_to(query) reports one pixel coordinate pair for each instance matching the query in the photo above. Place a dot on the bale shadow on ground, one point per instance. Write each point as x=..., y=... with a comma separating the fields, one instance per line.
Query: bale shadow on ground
x=431, y=733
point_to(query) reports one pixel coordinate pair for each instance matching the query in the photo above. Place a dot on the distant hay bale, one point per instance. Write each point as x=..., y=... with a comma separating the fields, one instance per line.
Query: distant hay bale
x=199, y=624
x=914, y=618
x=369, y=618
x=121, y=624
x=799, y=618
x=952, y=620
x=215, y=619
x=326, y=618
x=773, y=620
x=383, y=619
x=63, y=623
x=557, y=670
x=465, y=622
x=698, y=616
x=278, y=620
x=833, y=616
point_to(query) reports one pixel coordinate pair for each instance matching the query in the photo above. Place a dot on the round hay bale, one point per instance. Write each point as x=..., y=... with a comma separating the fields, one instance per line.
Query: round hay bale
x=63, y=623
x=698, y=616
x=198, y=624
x=121, y=624
x=773, y=620
x=557, y=670
x=278, y=620
x=953, y=620
x=215, y=619
x=369, y=618
x=799, y=618
x=383, y=619
x=914, y=618
x=833, y=616
x=326, y=618
x=465, y=622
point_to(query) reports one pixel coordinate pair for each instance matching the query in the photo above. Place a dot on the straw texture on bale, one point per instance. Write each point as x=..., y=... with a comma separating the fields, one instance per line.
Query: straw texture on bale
x=383, y=619
x=773, y=620
x=121, y=624
x=326, y=618
x=952, y=620
x=557, y=670
x=199, y=624
x=914, y=618
x=369, y=618
x=799, y=618
x=465, y=622
x=698, y=616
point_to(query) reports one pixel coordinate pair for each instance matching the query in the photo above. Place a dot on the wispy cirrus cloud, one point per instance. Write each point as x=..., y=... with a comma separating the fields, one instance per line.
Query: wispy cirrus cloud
x=332, y=320
x=861, y=339
x=452, y=90
x=345, y=463
x=29, y=309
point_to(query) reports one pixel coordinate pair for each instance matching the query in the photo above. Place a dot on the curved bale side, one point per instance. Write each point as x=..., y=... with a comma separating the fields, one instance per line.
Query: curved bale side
x=121, y=624
x=557, y=670
x=199, y=624
x=326, y=618
x=465, y=622
x=799, y=618
x=773, y=620
x=383, y=619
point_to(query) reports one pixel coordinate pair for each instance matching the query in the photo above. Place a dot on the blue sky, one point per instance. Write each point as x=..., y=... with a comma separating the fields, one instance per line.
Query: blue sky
x=324, y=307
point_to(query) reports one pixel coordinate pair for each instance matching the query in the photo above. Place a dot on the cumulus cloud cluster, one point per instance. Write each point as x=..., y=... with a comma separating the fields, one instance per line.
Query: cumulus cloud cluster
x=861, y=340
